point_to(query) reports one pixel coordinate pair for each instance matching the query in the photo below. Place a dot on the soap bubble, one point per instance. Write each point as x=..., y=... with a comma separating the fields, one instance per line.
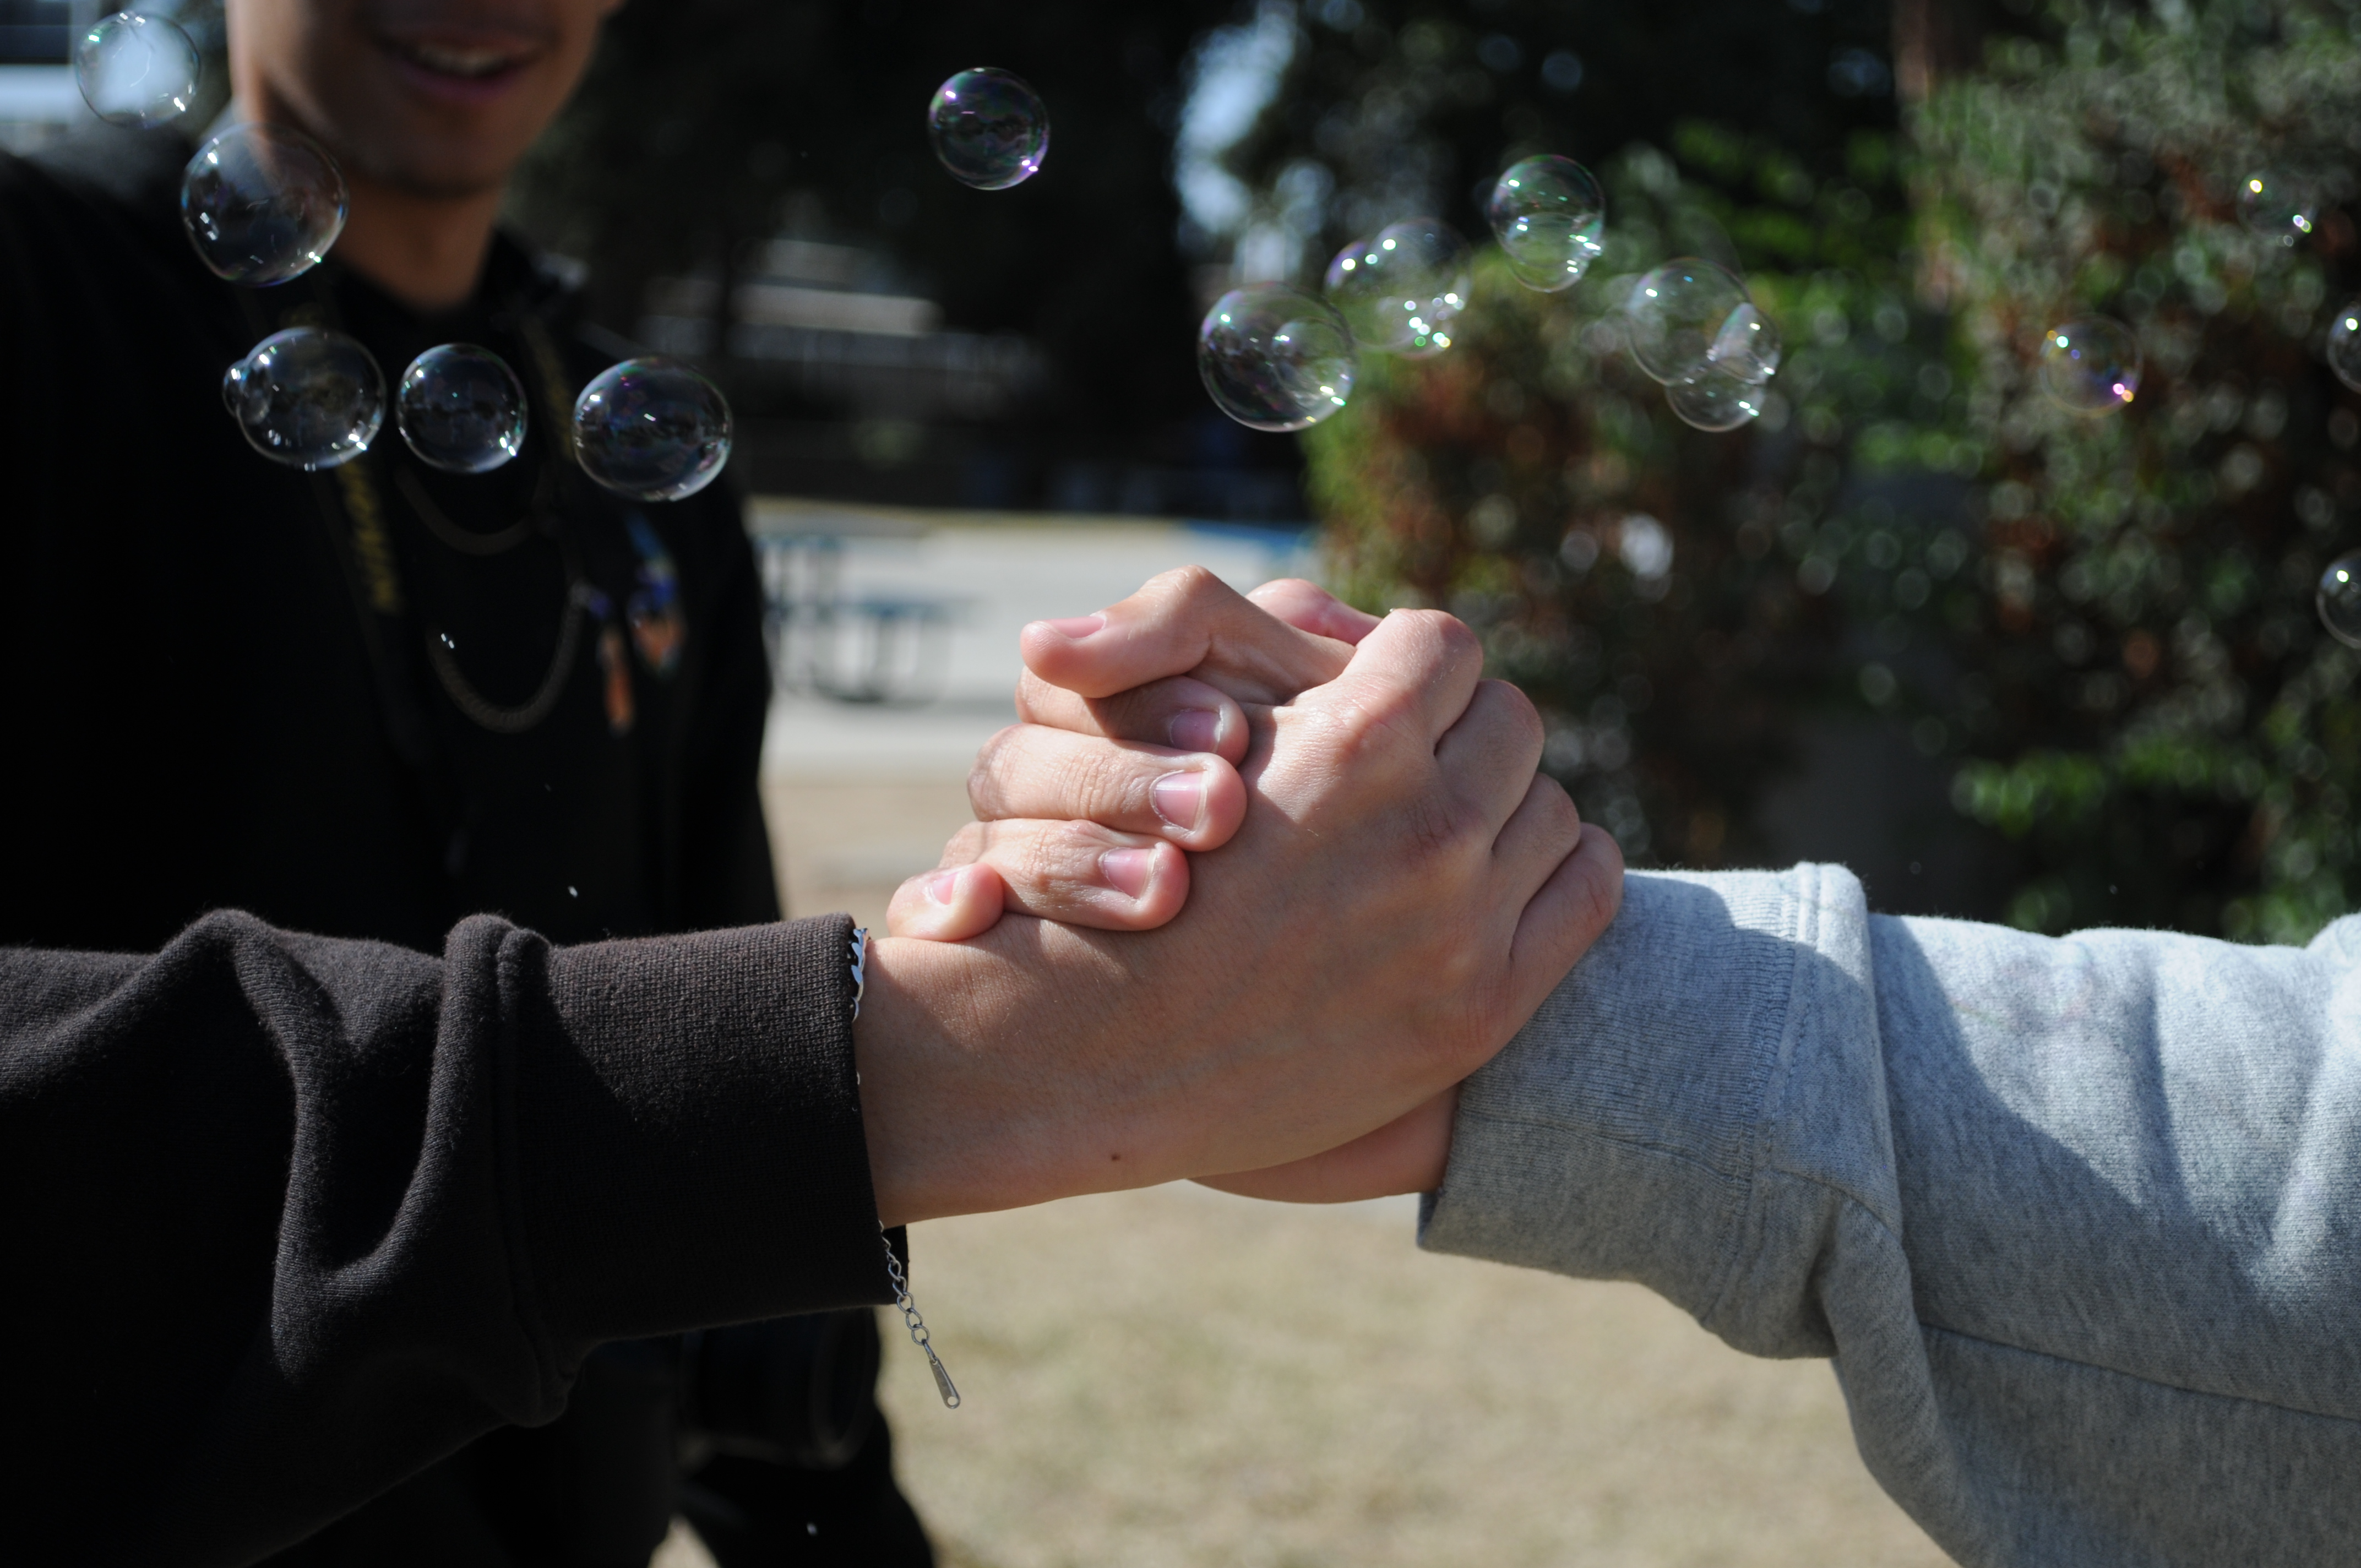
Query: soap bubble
x=2344, y=346
x=1402, y=290
x=307, y=398
x=989, y=129
x=135, y=70
x=461, y=409
x=1676, y=315
x=1746, y=346
x=1548, y=214
x=1274, y=358
x=262, y=203
x=2091, y=366
x=651, y=429
x=1715, y=400
x=2340, y=600
x=2278, y=206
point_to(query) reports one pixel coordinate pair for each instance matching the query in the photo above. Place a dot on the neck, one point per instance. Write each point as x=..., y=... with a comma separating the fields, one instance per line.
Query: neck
x=426, y=251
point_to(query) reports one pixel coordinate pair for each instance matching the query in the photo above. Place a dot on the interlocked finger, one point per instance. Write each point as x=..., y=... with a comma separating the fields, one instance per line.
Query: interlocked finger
x=1075, y=872
x=1193, y=799
x=1184, y=714
x=1184, y=622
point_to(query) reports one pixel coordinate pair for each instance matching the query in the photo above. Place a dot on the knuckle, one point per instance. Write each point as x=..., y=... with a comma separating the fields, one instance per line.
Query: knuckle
x=1450, y=633
x=1190, y=584
x=965, y=846
x=1033, y=697
x=1518, y=711
x=991, y=758
x=1564, y=815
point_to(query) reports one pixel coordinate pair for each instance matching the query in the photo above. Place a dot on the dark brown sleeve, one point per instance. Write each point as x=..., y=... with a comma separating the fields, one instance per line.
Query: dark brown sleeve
x=286, y=1218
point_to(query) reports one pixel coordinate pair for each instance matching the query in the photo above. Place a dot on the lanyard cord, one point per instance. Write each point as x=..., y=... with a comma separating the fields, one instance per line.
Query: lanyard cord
x=352, y=507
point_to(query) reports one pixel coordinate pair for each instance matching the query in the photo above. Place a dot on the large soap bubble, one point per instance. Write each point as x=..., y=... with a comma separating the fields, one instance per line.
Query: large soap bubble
x=1715, y=400
x=262, y=203
x=1274, y=358
x=1677, y=313
x=1548, y=214
x=1746, y=346
x=135, y=70
x=2344, y=346
x=2091, y=366
x=1402, y=290
x=307, y=398
x=461, y=409
x=2340, y=600
x=989, y=128
x=651, y=429
x=2279, y=206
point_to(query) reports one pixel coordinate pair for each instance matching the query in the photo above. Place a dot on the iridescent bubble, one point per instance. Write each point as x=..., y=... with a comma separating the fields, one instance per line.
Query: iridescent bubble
x=262, y=203
x=1274, y=358
x=307, y=398
x=2091, y=366
x=651, y=429
x=2340, y=600
x=2344, y=346
x=461, y=409
x=1715, y=400
x=1746, y=346
x=989, y=128
x=1676, y=313
x=135, y=70
x=2279, y=206
x=1548, y=214
x=1402, y=290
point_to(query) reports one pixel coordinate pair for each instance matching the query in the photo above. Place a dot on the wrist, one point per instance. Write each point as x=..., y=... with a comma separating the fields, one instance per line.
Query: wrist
x=955, y=1123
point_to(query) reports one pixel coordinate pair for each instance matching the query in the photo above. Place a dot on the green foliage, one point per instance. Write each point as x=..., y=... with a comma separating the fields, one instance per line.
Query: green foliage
x=2102, y=629
x=1665, y=594
x=2164, y=712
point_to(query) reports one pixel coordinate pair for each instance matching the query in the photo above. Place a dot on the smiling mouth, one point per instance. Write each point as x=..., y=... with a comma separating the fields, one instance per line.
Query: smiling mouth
x=465, y=62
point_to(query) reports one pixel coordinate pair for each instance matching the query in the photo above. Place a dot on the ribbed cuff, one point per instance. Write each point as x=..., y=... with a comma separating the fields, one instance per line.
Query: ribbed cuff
x=686, y=1142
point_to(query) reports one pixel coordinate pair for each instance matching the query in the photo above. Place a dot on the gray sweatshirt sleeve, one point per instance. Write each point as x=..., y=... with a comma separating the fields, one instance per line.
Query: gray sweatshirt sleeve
x=2079, y=1219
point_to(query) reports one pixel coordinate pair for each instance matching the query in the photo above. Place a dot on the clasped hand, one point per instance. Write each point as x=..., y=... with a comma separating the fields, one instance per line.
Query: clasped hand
x=1382, y=890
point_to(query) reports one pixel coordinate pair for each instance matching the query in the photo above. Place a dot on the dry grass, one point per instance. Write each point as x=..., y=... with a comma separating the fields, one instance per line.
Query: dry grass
x=1177, y=1378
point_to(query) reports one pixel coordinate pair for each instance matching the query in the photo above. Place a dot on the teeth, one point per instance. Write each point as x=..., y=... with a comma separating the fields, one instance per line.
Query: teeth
x=459, y=62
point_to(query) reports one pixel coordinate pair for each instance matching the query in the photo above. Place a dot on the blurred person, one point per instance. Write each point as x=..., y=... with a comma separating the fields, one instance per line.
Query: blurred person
x=2078, y=1220
x=311, y=1212
x=553, y=708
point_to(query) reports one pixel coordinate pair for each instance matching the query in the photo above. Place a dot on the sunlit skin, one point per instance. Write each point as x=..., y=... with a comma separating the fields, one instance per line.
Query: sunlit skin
x=428, y=104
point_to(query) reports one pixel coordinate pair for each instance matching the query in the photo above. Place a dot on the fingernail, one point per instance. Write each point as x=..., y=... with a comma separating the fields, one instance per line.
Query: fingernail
x=1180, y=799
x=1128, y=871
x=1076, y=626
x=943, y=887
x=1195, y=728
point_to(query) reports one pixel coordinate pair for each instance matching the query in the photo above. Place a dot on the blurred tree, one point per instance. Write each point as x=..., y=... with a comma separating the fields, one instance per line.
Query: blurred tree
x=1388, y=108
x=2098, y=630
x=2158, y=717
x=1627, y=570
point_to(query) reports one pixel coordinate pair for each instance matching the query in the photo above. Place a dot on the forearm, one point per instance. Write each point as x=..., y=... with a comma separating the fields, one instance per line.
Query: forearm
x=309, y=1213
x=2075, y=1218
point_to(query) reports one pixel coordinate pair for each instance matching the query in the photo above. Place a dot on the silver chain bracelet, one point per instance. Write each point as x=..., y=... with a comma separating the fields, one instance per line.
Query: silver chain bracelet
x=908, y=1307
x=918, y=1326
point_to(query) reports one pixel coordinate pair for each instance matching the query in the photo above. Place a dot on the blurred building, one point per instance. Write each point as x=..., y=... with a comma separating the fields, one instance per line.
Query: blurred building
x=37, y=98
x=850, y=385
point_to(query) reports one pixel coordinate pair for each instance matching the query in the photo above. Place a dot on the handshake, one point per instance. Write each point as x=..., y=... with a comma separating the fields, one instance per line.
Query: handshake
x=1381, y=890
